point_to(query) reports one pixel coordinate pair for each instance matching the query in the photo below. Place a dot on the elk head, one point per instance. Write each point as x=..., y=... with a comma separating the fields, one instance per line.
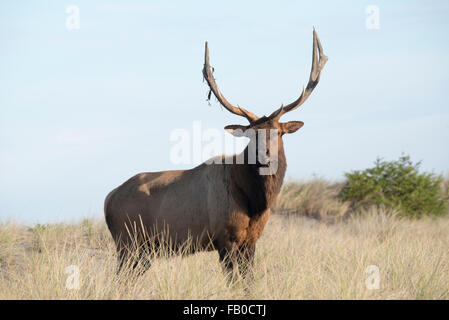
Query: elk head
x=268, y=124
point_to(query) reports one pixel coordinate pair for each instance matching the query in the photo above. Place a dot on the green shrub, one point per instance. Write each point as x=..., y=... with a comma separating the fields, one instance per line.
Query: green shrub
x=397, y=184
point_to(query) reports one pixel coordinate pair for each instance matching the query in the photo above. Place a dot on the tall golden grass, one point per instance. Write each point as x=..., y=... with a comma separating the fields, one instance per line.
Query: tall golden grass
x=316, y=199
x=305, y=255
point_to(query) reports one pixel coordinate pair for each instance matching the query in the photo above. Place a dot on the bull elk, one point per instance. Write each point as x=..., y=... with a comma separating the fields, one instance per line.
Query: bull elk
x=222, y=206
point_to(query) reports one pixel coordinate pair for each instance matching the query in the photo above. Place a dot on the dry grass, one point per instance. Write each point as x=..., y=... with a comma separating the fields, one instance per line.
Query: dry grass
x=316, y=199
x=297, y=258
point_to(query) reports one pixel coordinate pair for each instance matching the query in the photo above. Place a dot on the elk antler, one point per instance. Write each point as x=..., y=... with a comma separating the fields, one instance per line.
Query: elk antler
x=317, y=66
x=207, y=74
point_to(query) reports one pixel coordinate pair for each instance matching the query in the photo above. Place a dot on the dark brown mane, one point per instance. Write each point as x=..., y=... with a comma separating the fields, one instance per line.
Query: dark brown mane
x=255, y=193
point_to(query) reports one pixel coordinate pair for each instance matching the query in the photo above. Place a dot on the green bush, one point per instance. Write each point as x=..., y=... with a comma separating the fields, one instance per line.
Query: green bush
x=397, y=184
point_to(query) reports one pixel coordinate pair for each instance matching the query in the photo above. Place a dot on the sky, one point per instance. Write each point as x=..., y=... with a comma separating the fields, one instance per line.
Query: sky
x=84, y=109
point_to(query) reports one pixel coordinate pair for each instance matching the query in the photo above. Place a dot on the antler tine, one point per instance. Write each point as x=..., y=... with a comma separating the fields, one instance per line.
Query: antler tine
x=317, y=65
x=277, y=112
x=207, y=74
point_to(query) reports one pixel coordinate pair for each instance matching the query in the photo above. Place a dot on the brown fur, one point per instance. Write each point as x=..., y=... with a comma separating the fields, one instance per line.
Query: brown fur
x=221, y=206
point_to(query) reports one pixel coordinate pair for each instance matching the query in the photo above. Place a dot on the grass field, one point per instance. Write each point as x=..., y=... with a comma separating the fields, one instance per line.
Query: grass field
x=318, y=251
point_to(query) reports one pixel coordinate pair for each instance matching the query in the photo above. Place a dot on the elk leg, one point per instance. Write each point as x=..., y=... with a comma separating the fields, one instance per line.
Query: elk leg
x=137, y=259
x=246, y=258
x=122, y=258
x=228, y=257
x=143, y=262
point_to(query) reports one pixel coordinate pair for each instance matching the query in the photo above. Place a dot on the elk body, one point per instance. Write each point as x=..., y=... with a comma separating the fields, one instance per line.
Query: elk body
x=223, y=205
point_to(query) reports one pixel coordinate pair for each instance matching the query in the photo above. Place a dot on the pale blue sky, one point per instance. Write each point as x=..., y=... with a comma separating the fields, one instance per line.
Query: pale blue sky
x=83, y=110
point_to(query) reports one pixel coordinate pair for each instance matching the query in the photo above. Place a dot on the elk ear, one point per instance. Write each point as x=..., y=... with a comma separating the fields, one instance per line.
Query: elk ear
x=291, y=126
x=236, y=130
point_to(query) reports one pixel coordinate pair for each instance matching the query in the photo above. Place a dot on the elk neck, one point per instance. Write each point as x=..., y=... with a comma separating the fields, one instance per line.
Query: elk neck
x=253, y=192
